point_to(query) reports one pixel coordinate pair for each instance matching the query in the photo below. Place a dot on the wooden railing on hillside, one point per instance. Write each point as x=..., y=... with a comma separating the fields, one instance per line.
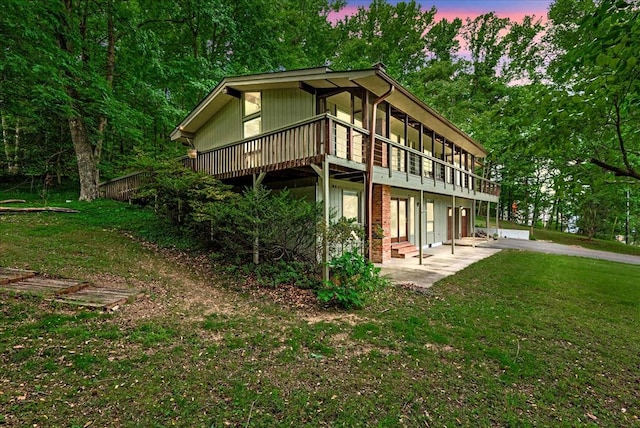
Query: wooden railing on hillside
x=312, y=141
x=122, y=188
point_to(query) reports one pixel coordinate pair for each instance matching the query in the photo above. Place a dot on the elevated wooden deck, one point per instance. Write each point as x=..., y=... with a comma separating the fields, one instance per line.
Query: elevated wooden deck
x=326, y=138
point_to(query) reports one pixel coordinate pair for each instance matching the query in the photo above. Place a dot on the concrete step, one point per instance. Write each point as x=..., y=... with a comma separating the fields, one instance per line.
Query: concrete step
x=403, y=250
x=406, y=255
x=397, y=245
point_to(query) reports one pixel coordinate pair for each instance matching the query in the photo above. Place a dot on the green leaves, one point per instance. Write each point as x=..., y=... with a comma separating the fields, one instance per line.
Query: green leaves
x=601, y=70
x=487, y=45
x=392, y=34
x=352, y=278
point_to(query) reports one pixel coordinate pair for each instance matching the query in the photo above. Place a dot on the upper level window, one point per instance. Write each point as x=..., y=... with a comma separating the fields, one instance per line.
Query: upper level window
x=252, y=103
x=251, y=114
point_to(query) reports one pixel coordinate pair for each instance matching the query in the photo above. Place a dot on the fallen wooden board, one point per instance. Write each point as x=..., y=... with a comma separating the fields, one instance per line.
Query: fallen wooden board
x=98, y=297
x=45, y=286
x=37, y=209
x=8, y=275
x=70, y=291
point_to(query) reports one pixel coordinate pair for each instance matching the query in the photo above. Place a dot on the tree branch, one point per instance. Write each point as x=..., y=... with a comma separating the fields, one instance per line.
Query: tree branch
x=619, y=172
x=623, y=150
x=165, y=21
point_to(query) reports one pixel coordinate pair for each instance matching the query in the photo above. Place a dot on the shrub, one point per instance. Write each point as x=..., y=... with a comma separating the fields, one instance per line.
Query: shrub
x=177, y=193
x=352, y=278
x=300, y=274
x=275, y=224
x=345, y=235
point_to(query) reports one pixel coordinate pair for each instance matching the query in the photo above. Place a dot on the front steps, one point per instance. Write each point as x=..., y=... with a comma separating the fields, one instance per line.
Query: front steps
x=404, y=250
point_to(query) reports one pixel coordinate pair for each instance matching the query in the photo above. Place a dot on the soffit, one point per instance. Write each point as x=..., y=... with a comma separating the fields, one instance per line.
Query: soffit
x=373, y=80
x=319, y=78
x=411, y=105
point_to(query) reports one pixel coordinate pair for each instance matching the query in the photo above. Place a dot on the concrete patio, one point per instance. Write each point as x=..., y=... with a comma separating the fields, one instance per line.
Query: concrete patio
x=437, y=263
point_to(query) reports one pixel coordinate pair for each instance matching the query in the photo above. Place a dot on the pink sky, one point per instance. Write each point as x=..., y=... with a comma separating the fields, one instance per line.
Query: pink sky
x=514, y=9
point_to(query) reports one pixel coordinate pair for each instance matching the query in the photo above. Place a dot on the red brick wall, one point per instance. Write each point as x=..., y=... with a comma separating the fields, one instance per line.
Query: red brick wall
x=381, y=247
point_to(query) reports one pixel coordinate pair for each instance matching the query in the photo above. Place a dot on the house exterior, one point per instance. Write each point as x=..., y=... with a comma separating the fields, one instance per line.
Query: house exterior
x=355, y=140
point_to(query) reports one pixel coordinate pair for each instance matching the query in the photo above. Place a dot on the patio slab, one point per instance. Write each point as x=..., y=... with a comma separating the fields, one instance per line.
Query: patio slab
x=438, y=263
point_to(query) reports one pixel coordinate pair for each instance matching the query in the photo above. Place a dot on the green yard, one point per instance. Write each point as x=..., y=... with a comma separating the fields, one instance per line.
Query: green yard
x=519, y=339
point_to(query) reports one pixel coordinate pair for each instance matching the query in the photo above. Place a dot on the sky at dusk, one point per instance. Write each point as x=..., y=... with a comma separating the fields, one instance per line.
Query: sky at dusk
x=514, y=9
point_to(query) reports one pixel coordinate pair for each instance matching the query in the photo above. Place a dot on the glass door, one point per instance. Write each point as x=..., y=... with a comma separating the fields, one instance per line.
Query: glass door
x=399, y=220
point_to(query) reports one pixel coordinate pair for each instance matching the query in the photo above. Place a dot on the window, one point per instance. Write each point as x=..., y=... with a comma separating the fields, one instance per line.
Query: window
x=346, y=106
x=410, y=216
x=398, y=135
x=351, y=204
x=251, y=114
x=430, y=219
x=252, y=127
x=357, y=111
x=382, y=127
x=252, y=103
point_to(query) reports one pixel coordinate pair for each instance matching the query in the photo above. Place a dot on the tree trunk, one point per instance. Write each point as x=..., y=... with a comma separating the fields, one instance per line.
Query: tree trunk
x=87, y=154
x=525, y=204
x=16, y=150
x=5, y=141
x=109, y=72
x=58, y=169
x=553, y=213
x=87, y=164
x=536, y=206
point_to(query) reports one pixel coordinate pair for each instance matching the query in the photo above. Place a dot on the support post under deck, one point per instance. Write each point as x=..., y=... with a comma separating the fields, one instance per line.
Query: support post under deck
x=323, y=173
x=420, y=227
x=453, y=224
x=325, y=213
x=257, y=180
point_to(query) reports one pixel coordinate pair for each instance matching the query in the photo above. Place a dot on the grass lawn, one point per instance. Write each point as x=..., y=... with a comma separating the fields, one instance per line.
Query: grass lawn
x=519, y=339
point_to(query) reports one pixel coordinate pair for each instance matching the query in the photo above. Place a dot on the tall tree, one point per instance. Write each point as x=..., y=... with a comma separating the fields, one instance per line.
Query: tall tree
x=87, y=54
x=392, y=34
x=442, y=39
x=487, y=44
x=598, y=81
x=524, y=51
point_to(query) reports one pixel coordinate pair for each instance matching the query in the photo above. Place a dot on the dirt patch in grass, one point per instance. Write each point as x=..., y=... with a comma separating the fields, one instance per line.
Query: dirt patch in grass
x=328, y=317
x=190, y=287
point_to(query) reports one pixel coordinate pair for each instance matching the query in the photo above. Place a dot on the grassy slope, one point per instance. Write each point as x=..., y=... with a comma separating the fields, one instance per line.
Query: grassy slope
x=516, y=339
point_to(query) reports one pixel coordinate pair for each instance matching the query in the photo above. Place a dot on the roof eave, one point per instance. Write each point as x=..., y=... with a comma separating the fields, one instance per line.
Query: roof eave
x=181, y=135
x=422, y=104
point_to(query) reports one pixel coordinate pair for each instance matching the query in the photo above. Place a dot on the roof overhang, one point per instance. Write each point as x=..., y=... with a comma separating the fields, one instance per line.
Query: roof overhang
x=374, y=80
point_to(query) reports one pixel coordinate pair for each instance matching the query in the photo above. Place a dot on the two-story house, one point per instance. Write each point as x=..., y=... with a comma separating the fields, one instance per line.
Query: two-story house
x=356, y=140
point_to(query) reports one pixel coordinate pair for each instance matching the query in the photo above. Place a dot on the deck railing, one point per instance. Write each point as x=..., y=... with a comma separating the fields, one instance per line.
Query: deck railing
x=300, y=144
x=405, y=161
x=310, y=141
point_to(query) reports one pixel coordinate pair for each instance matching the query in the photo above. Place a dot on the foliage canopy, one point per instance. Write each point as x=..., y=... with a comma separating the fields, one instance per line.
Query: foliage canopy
x=88, y=86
